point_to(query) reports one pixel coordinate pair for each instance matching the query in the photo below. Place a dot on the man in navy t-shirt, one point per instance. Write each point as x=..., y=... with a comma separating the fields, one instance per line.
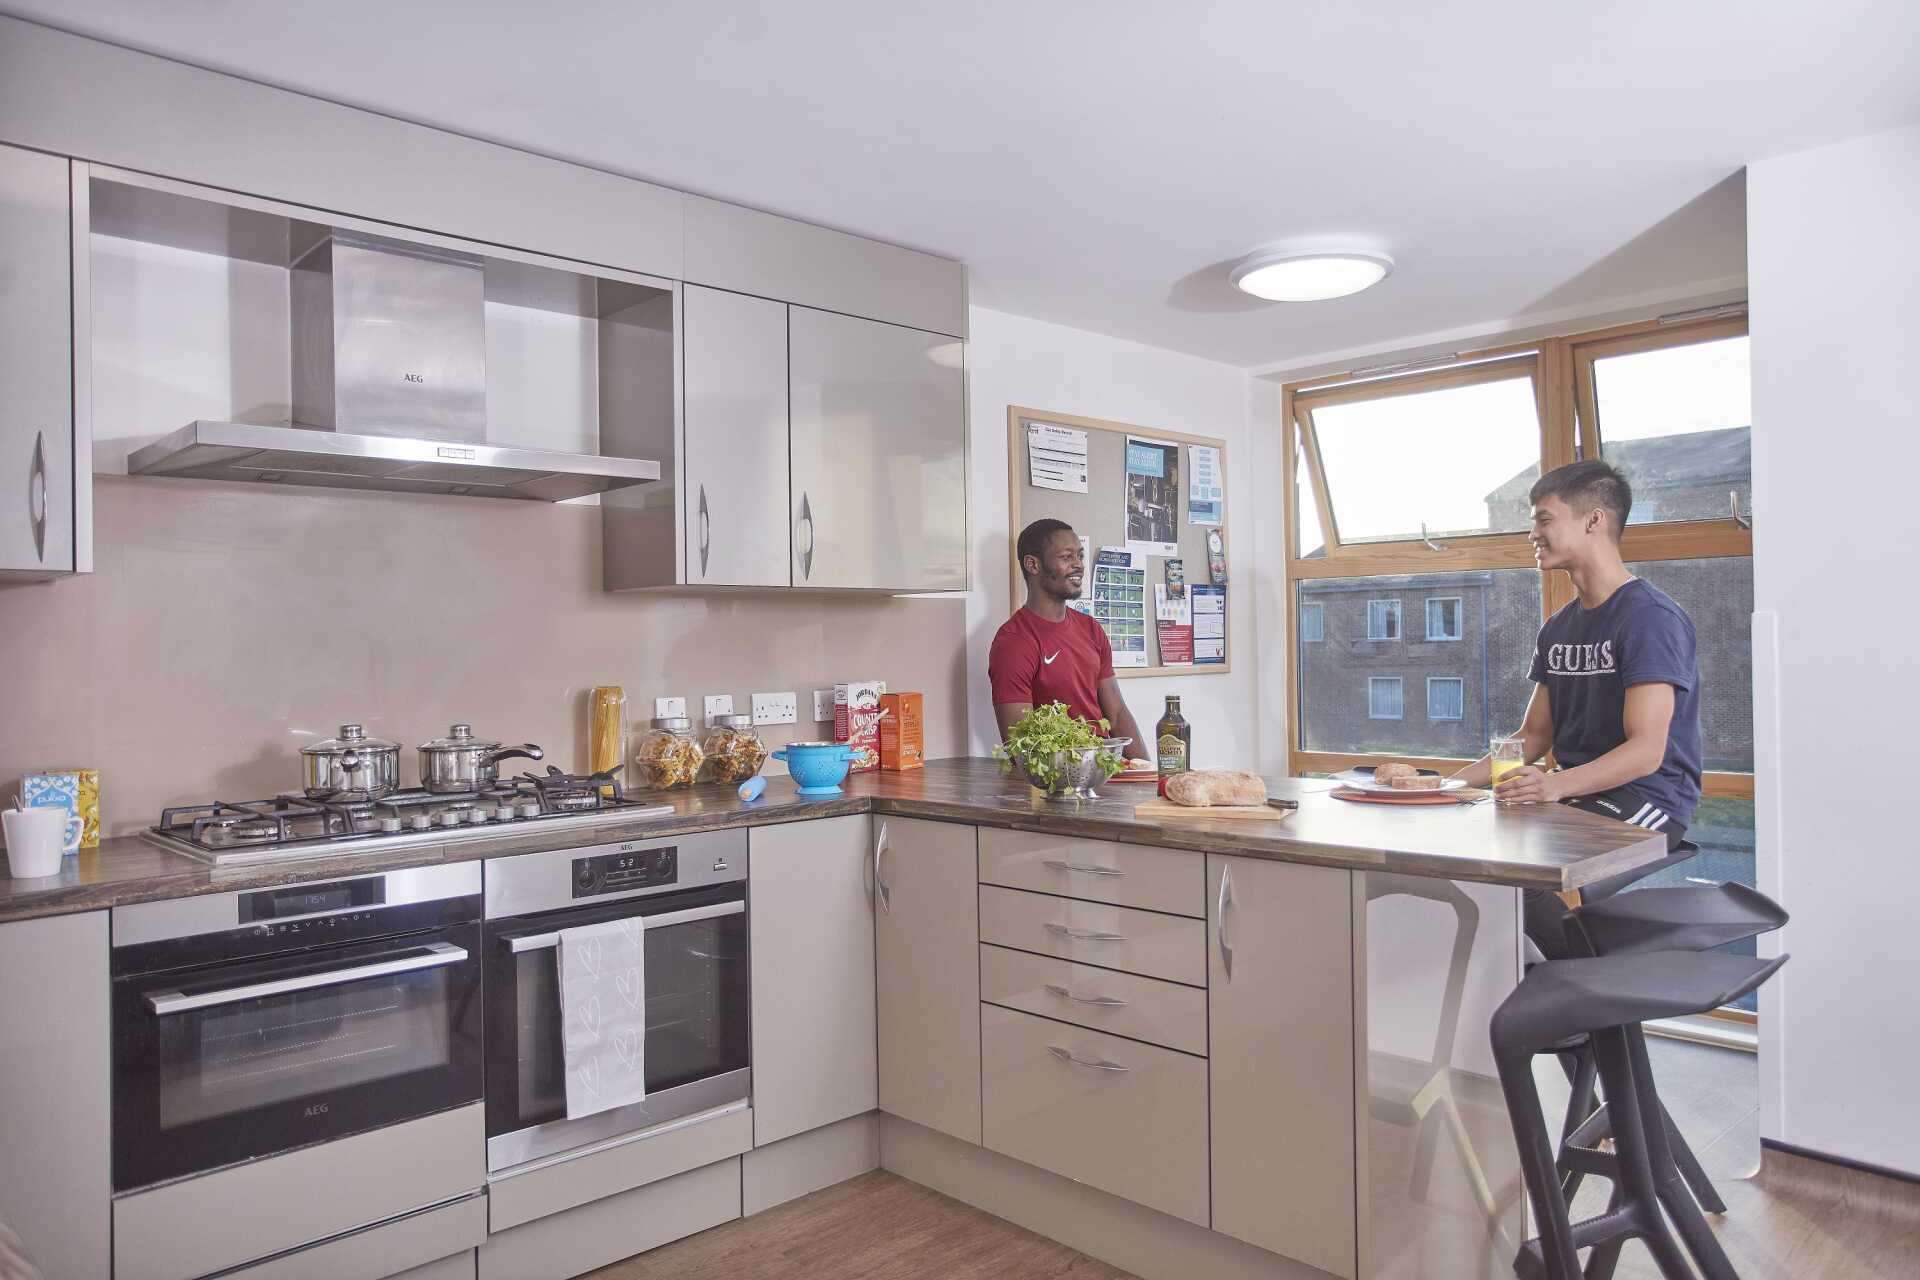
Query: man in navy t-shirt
x=1616, y=682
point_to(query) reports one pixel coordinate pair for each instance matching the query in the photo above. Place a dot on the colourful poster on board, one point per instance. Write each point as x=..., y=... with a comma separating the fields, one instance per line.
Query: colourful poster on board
x=1209, y=624
x=1120, y=604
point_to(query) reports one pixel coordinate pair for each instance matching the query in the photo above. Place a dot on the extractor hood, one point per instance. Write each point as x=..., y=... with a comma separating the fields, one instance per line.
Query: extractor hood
x=388, y=388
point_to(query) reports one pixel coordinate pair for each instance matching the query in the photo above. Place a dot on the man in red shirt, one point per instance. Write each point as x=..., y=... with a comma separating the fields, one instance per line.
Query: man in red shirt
x=1047, y=652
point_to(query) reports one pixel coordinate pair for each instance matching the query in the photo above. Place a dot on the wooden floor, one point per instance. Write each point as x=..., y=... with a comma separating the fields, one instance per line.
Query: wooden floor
x=875, y=1227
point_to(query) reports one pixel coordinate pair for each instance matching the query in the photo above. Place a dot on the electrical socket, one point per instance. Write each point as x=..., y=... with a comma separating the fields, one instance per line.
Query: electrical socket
x=664, y=707
x=822, y=706
x=719, y=704
x=775, y=708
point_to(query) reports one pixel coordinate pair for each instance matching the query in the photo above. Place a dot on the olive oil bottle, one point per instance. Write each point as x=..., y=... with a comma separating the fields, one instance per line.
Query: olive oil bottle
x=1173, y=742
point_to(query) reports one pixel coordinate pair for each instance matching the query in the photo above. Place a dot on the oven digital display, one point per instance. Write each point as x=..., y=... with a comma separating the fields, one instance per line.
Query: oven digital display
x=618, y=872
x=310, y=899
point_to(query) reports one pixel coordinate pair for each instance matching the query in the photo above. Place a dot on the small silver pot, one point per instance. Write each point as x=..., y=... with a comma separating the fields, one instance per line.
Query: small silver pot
x=351, y=766
x=462, y=762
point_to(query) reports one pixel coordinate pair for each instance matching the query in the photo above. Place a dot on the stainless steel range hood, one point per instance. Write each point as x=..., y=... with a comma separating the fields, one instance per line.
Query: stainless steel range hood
x=388, y=388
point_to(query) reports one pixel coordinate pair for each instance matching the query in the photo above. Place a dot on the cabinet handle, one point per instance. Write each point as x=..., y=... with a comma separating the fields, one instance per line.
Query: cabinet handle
x=1103, y=1002
x=1085, y=868
x=1220, y=930
x=805, y=541
x=880, y=888
x=1084, y=935
x=1098, y=1064
x=705, y=531
x=37, y=495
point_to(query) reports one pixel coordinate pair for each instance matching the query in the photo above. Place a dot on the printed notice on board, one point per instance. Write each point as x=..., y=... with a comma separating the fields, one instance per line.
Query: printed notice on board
x=1173, y=624
x=1205, y=491
x=1153, y=497
x=1057, y=457
x=1209, y=623
x=1120, y=604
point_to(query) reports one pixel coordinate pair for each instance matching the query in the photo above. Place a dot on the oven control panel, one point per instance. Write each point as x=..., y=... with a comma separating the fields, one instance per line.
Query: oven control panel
x=625, y=870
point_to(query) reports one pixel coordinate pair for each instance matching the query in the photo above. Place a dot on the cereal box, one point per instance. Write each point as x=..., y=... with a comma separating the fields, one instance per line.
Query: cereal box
x=856, y=721
x=903, y=738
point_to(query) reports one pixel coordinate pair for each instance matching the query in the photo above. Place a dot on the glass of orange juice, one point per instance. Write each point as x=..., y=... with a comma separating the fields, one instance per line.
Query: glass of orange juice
x=1507, y=754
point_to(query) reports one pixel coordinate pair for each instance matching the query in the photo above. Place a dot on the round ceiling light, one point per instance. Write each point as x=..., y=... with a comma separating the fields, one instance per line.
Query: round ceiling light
x=1310, y=277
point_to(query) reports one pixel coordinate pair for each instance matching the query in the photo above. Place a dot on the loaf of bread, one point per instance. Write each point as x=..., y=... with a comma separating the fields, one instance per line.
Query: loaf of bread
x=1393, y=772
x=1208, y=788
x=1418, y=782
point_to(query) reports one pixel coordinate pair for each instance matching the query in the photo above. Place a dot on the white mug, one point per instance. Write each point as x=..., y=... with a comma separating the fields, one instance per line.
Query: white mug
x=36, y=839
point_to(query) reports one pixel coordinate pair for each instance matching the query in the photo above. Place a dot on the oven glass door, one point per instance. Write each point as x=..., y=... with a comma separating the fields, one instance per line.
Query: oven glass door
x=698, y=1020
x=223, y=1063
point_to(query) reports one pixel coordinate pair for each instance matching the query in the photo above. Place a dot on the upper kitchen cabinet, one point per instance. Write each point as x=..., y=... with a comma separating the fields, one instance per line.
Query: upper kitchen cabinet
x=747, y=251
x=879, y=455
x=236, y=338
x=43, y=428
x=735, y=391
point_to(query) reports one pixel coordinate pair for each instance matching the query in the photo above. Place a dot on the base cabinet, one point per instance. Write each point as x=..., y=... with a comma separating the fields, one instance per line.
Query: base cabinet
x=927, y=977
x=1280, y=1032
x=811, y=928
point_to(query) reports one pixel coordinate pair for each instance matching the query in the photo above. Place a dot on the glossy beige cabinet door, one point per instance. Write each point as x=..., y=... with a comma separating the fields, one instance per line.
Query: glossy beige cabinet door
x=1280, y=1035
x=56, y=1097
x=928, y=978
x=36, y=365
x=811, y=929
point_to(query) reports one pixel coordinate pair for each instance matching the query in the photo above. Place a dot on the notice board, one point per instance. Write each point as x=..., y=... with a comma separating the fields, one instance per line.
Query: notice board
x=1155, y=494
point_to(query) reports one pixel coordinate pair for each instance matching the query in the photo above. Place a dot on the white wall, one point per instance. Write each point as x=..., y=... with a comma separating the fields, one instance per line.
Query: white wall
x=1012, y=360
x=1834, y=269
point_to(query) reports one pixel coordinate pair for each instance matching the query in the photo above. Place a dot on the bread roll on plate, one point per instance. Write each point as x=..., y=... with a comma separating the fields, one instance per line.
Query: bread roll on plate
x=1209, y=788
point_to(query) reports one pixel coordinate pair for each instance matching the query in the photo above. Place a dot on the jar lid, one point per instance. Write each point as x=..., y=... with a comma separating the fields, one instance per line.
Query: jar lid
x=738, y=720
x=672, y=723
x=459, y=737
x=352, y=738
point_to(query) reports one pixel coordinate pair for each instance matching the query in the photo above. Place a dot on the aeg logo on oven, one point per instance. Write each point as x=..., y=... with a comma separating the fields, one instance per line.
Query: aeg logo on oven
x=317, y=1109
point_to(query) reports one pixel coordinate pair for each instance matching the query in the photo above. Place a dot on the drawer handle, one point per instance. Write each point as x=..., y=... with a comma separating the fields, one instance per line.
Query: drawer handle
x=1098, y=1064
x=1085, y=868
x=1084, y=935
x=1104, y=1002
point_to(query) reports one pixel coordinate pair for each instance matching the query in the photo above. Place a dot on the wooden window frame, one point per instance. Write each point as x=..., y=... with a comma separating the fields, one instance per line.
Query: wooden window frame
x=1562, y=372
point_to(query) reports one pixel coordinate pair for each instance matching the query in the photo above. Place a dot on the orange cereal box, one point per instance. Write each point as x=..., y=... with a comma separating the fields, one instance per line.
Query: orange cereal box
x=903, y=736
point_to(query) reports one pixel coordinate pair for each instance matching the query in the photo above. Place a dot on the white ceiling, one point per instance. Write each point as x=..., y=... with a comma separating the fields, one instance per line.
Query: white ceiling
x=1101, y=164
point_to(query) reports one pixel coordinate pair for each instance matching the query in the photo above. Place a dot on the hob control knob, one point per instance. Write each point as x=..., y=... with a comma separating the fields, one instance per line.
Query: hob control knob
x=390, y=824
x=421, y=822
x=529, y=808
x=503, y=813
x=451, y=818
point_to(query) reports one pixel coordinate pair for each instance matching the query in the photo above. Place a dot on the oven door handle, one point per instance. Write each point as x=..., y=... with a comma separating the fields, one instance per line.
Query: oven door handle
x=546, y=941
x=434, y=955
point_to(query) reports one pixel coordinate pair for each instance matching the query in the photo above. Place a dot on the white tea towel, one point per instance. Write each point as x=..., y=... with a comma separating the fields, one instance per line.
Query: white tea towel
x=603, y=1008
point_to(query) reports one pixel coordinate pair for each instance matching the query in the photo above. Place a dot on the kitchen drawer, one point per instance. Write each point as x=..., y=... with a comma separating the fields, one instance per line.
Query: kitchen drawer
x=1122, y=1004
x=1145, y=942
x=1128, y=875
x=1135, y=1125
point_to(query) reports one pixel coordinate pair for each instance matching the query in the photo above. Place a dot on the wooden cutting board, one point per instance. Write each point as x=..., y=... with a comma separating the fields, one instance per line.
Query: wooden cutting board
x=1158, y=809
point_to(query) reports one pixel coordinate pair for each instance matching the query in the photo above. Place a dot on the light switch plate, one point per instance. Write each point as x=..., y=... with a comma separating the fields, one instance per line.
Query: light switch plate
x=775, y=708
x=822, y=706
x=664, y=707
x=718, y=704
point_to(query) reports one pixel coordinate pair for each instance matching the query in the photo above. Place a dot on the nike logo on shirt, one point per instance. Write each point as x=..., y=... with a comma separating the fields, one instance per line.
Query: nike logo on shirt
x=1049, y=661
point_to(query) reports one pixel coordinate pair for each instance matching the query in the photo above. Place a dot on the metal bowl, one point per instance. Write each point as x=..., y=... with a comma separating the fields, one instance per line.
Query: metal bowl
x=1074, y=774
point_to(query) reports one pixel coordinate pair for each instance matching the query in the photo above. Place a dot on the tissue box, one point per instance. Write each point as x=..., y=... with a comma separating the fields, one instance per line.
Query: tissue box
x=75, y=790
x=856, y=721
x=903, y=736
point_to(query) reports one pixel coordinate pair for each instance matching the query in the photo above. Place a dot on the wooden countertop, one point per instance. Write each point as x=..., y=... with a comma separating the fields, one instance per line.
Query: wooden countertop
x=1535, y=846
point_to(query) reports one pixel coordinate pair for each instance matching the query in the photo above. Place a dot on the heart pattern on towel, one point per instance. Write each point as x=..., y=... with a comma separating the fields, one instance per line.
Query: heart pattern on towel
x=603, y=1003
x=629, y=986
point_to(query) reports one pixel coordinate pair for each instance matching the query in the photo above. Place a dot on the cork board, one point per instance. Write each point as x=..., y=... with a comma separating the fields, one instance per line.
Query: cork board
x=1101, y=515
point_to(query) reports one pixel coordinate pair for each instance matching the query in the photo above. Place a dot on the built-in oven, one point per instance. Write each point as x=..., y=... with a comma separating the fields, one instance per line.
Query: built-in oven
x=251, y=1023
x=688, y=894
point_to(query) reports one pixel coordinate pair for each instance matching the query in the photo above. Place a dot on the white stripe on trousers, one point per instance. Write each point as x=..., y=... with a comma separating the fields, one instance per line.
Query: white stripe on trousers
x=1635, y=819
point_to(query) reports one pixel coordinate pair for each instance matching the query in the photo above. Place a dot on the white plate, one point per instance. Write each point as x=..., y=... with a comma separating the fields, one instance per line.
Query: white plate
x=1364, y=782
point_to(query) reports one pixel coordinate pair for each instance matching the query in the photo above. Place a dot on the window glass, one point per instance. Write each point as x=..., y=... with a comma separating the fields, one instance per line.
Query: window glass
x=1446, y=697
x=1383, y=698
x=1717, y=594
x=1449, y=459
x=1676, y=422
x=1443, y=618
x=1383, y=619
x=1313, y=622
x=1499, y=619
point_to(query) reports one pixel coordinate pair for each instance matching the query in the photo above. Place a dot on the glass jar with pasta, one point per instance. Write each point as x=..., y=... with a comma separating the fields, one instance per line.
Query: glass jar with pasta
x=734, y=751
x=668, y=755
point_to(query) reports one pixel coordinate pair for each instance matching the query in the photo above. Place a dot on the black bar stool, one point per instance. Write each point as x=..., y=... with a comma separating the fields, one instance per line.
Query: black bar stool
x=1606, y=998
x=1676, y=919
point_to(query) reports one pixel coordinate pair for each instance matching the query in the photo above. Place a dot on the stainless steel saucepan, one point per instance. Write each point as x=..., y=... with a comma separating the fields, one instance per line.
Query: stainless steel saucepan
x=351, y=766
x=462, y=762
